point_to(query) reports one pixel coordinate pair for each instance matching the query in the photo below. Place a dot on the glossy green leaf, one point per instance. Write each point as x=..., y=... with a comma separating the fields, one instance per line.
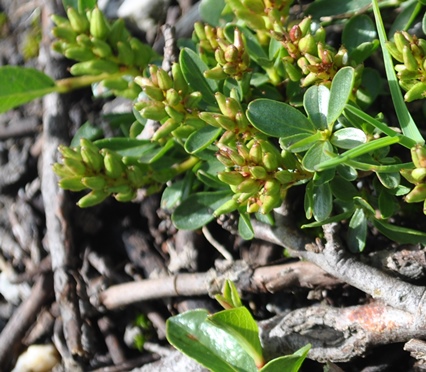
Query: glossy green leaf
x=88, y=131
x=287, y=363
x=388, y=204
x=193, y=68
x=239, y=323
x=348, y=138
x=229, y=297
x=402, y=235
x=370, y=88
x=197, y=210
x=320, y=152
x=278, y=119
x=389, y=180
x=340, y=92
x=172, y=195
x=347, y=172
x=406, y=16
x=336, y=218
x=357, y=231
x=343, y=189
x=315, y=102
x=322, y=201
x=358, y=30
x=211, y=11
x=245, y=229
x=327, y=8
x=20, y=85
x=208, y=344
x=201, y=139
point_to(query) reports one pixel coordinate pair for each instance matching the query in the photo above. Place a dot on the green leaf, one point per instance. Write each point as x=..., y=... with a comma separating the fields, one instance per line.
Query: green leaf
x=172, y=195
x=358, y=30
x=322, y=201
x=20, y=85
x=336, y=218
x=209, y=345
x=201, y=139
x=389, y=180
x=370, y=88
x=320, y=152
x=278, y=119
x=315, y=102
x=245, y=229
x=239, y=323
x=193, y=68
x=388, y=204
x=211, y=11
x=406, y=122
x=348, y=138
x=288, y=363
x=357, y=232
x=230, y=297
x=402, y=235
x=343, y=189
x=327, y=8
x=341, y=90
x=88, y=131
x=197, y=210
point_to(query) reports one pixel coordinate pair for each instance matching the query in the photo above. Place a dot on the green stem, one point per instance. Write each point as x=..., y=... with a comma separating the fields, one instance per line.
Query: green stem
x=413, y=15
x=186, y=165
x=406, y=122
x=357, y=151
x=380, y=168
x=404, y=140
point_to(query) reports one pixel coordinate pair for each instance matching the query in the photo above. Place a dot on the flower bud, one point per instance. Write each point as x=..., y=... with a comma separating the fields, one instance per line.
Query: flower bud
x=92, y=198
x=231, y=178
x=418, y=194
x=228, y=207
x=71, y=183
x=94, y=182
x=113, y=164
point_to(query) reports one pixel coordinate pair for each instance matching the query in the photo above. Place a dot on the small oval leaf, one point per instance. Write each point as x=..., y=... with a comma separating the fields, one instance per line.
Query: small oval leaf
x=318, y=153
x=348, y=138
x=315, y=102
x=357, y=232
x=278, y=119
x=201, y=139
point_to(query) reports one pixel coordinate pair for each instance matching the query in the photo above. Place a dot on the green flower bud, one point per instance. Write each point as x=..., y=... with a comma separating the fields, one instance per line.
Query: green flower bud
x=78, y=21
x=418, y=174
x=153, y=92
x=92, y=198
x=310, y=79
x=225, y=160
x=169, y=126
x=61, y=170
x=91, y=155
x=225, y=122
x=164, y=80
x=418, y=155
x=192, y=100
x=113, y=164
x=409, y=60
x=231, y=69
x=77, y=167
x=294, y=73
x=320, y=35
x=284, y=176
x=256, y=153
x=228, y=207
x=417, y=91
x=253, y=207
x=124, y=197
x=101, y=48
x=94, y=67
x=199, y=31
x=418, y=194
x=394, y=51
x=65, y=33
x=125, y=54
x=231, y=178
x=174, y=114
x=179, y=82
x=422, y=45
x=219, y=56
x=400, y=40
x=406, y=173
x=79, y=53
x=99, y=26
x=94, y=182
x=68, y=152
x=243, y=150
x=136, y=176
x=307, y=44
x=258, y=172
x=209, y=118
x=60, y=21
x=256, y=6
x=269, y=202
x=231, y=54
x=242, y=197
x=228, y=138
x=115, y=84
x=215, y=73
x=272, y=187
x=270, y=161
x=173, y=98
x=249, y=185
x=155, y=112
x=305, y=25
x=71, y=183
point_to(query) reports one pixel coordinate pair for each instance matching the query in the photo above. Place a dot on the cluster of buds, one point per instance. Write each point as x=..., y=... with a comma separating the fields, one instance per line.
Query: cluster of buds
x=307, y=57
x=169, y=100
x=261, y=15
x=232, y=119
x=257, y=175
x=101, y=48
x=417, y=176
x=232, y=59
x=102, y=171
x=411, y=52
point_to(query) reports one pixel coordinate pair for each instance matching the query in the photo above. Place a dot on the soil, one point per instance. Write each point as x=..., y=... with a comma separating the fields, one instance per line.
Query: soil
x=60, y=266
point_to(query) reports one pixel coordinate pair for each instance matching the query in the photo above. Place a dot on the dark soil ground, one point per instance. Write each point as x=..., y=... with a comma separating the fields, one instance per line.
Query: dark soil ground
x=46, y=300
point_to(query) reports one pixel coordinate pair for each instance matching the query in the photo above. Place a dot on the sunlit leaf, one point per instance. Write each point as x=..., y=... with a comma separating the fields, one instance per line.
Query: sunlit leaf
x=348, y=138
x=315, y=101
x=357, y=231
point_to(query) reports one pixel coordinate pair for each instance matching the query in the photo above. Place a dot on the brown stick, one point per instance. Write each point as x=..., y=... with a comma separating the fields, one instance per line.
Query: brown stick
x=23, y=318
